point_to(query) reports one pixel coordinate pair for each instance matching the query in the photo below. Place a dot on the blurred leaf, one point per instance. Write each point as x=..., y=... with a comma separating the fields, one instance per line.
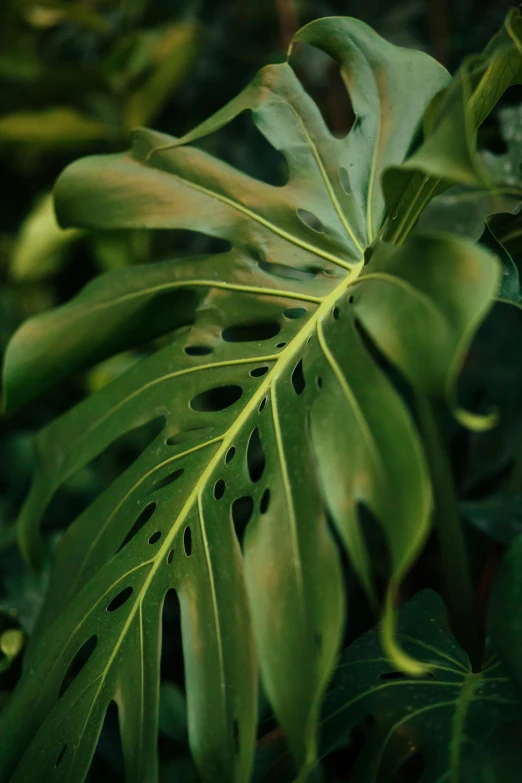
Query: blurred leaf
x=507, y=229
x=173, y=712
x=24, y=594
x=507, y=168
x=107, y=371
x=11, y=644
x=509, y=289
x=173, y=53
x=499, y=517
x=7, y=535
x=52, y=127
x=178, y=771
x=118, y=249
x=41, y=244
x=50, y=14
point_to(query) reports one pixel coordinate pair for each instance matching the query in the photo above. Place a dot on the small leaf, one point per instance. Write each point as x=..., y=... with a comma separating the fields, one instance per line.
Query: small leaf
x=11, y=644
x=41, y=244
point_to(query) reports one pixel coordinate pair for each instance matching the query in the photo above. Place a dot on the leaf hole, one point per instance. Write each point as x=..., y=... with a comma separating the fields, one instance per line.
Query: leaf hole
x=245, y=333
x=255, y=456
x=61, y=754
x=298, y=379
x=288, y=272
x=141, y=521
x=187, y=541
x=217, y=399
x=280, y=345
x=187, y=435
x=122, y=597
x=155, y=537
x=172, y=665
x=319, y=382
x=336, y=313
x=167, y=480
x=262, y=404
x=198, y=350
x=170, y=557
x=219, y=489
x=311, y=221
x=78, y=662
x=254, y=155
x=265, y=501
x=321, y=76
x=242, y=510
x=108, y=750
x=257, y=372
x=230, y=454
x=350, y=299
x=294, y=312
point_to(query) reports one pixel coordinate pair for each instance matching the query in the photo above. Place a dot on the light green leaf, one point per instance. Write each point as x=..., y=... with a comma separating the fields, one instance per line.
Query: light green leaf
x=41, y=244
x=11, y=644
x=448, y=153
x=172, y=55
x=256, y=360
x=52, y=127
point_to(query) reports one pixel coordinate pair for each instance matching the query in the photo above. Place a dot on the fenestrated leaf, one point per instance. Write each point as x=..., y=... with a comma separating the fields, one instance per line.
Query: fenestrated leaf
x=264, y=325
x=446, y=717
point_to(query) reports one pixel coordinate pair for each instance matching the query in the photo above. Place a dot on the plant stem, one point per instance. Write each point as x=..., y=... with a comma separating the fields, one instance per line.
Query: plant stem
x=458, y=585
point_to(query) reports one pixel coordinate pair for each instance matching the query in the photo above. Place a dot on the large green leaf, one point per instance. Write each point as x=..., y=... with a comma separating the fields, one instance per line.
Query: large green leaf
x=254, y=388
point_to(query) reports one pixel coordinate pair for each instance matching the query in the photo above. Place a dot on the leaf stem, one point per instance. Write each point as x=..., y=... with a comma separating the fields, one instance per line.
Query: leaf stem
x=458, y=585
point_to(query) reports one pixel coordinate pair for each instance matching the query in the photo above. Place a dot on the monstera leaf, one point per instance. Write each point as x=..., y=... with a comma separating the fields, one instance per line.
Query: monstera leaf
x=446, y=717
x=273, y=407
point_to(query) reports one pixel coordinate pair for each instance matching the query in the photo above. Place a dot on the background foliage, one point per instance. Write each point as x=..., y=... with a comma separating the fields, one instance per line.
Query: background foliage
x=74, y=78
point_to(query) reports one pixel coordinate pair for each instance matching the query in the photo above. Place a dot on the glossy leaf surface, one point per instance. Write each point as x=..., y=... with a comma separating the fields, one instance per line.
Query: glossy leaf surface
x=269, y=373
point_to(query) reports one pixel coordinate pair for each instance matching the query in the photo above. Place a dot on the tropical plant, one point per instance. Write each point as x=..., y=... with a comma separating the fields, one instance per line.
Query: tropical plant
x=296, y=379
